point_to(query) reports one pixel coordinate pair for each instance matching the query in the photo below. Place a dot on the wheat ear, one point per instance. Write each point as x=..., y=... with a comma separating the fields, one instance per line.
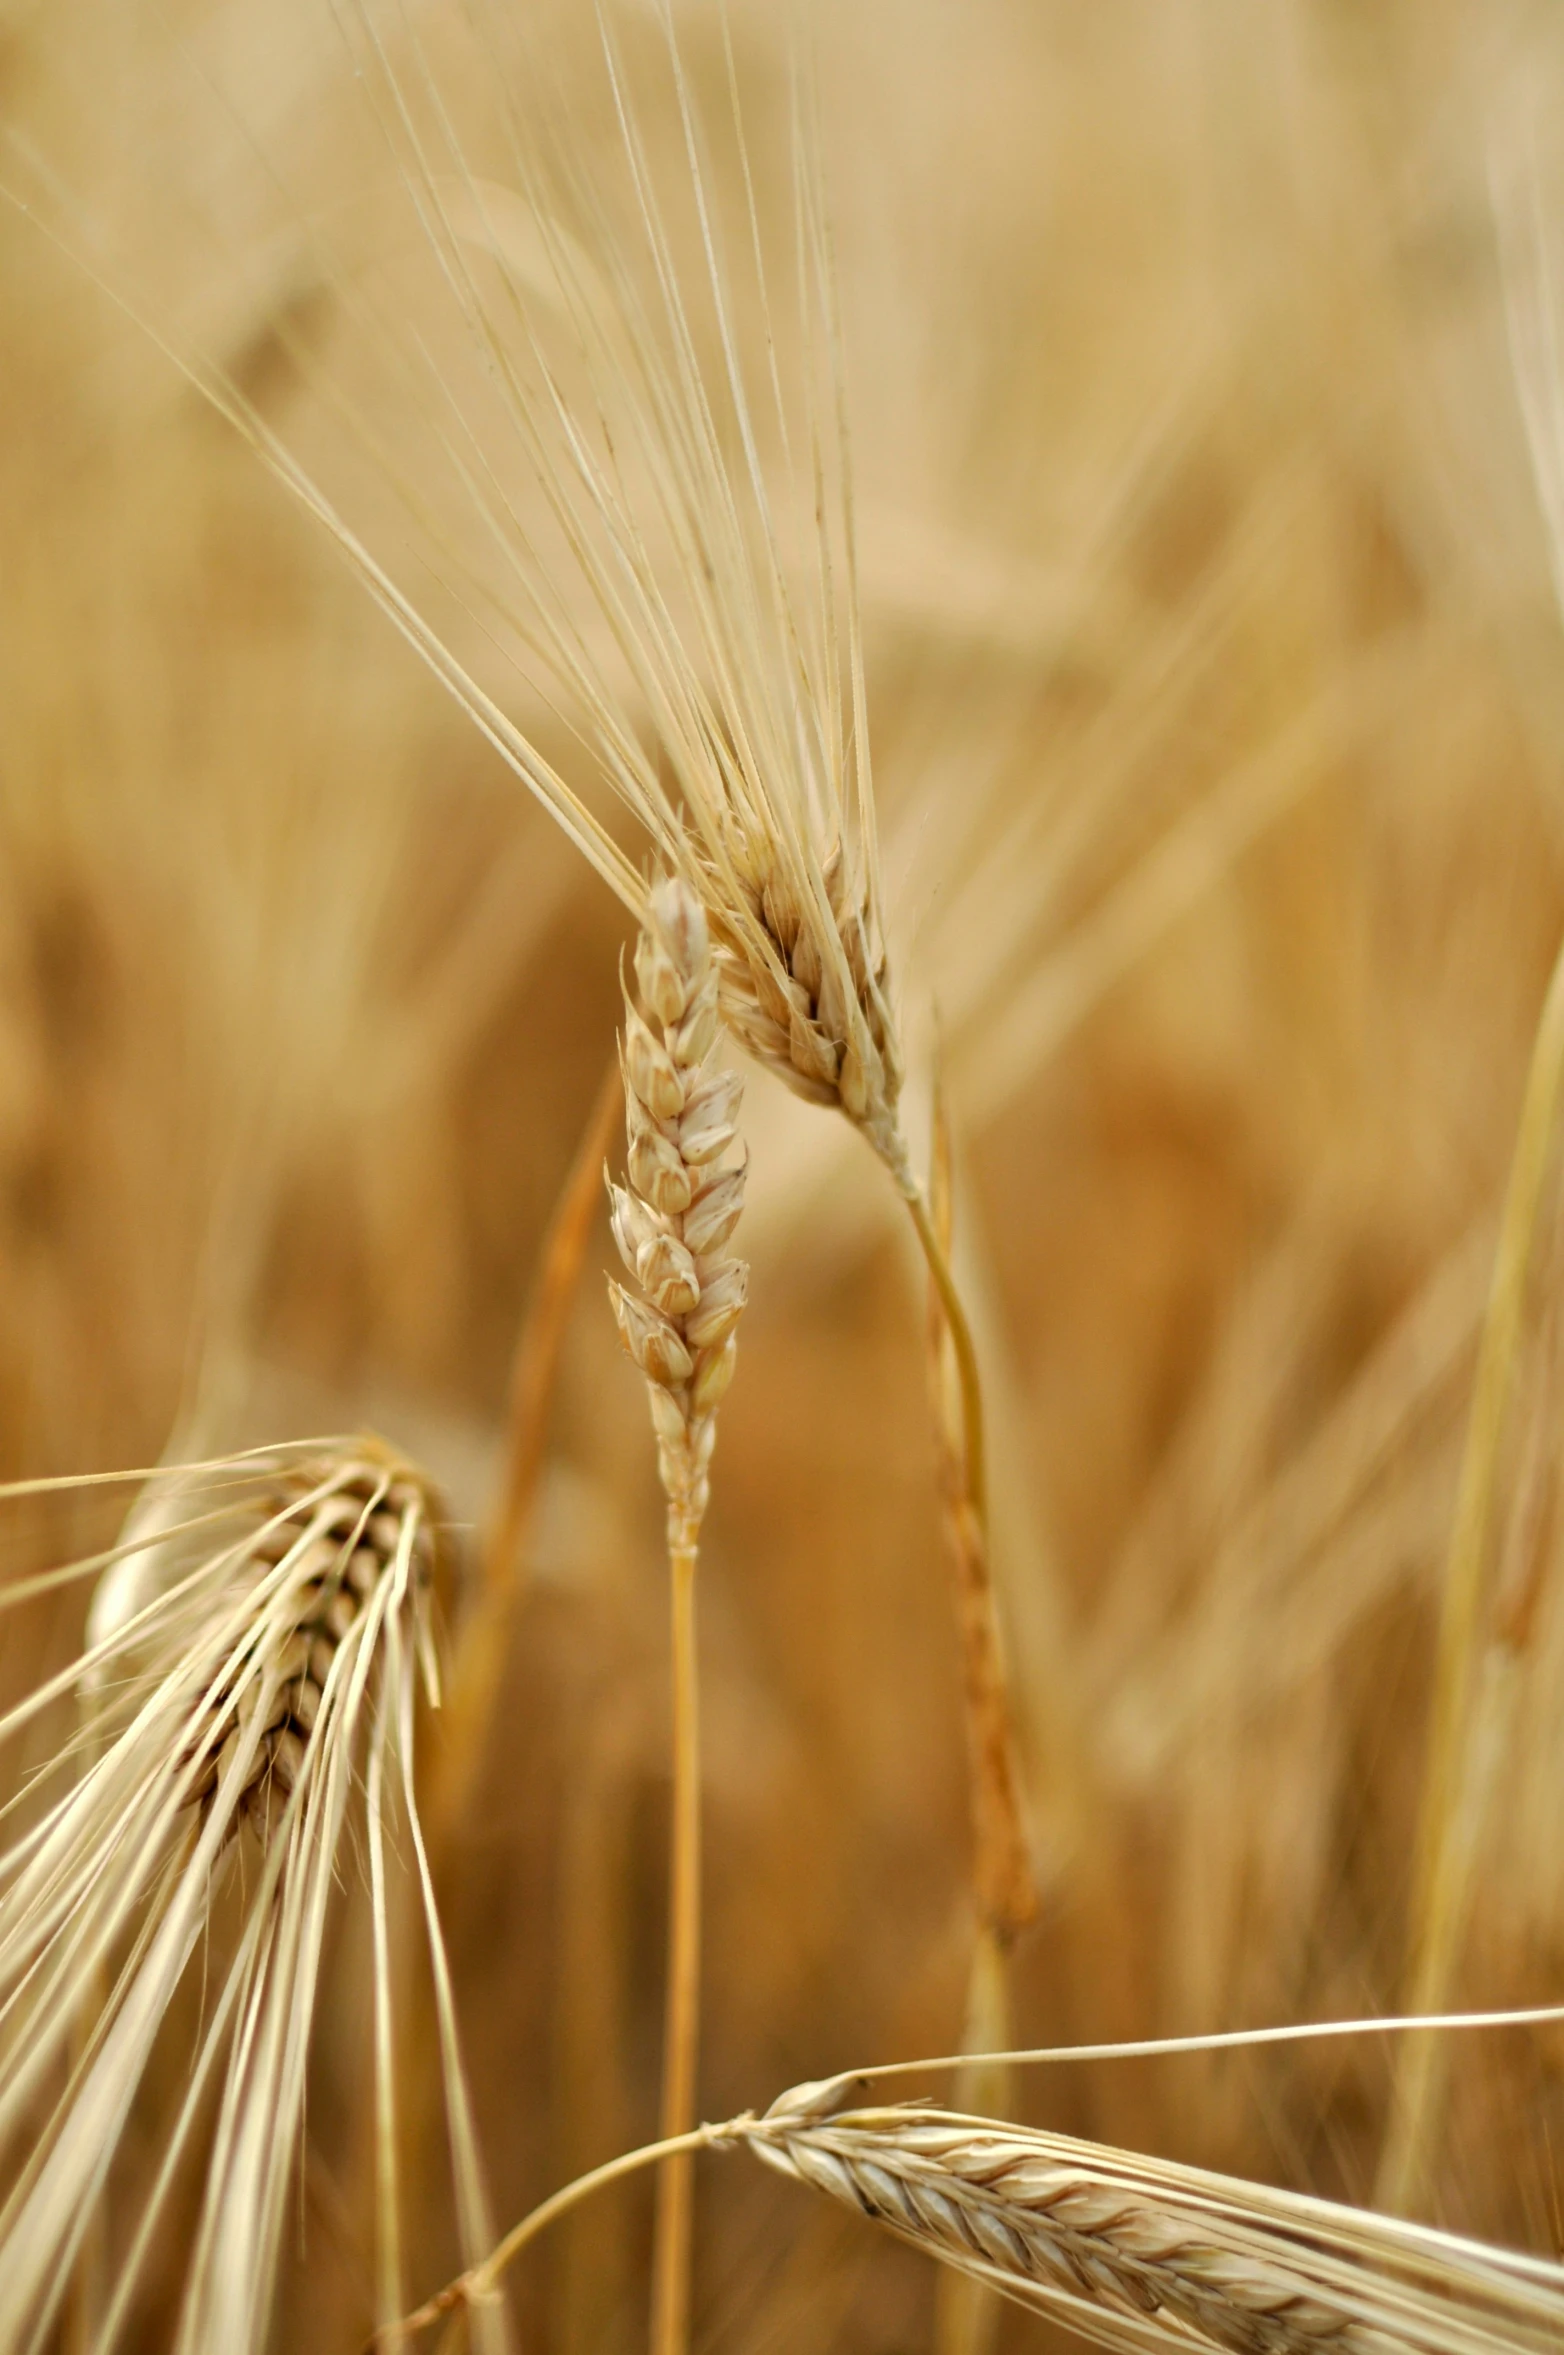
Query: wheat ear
x=1142, y=2256
x=806, y=988
x=253, y=1643
x=759, y=794
x=672, y=1224
x=1138, y=2255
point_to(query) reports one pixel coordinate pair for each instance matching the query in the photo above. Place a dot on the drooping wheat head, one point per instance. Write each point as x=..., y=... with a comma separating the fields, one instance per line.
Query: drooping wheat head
x=1138, y=2254
x=809, y=995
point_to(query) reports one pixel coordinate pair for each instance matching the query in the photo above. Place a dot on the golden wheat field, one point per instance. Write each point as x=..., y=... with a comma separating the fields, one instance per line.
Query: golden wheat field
x=993, y=572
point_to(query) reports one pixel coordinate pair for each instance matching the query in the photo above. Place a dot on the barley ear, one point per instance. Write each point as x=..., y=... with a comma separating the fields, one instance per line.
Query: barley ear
x=255, y=1634
x=672, y=1224
x=1141, y=2255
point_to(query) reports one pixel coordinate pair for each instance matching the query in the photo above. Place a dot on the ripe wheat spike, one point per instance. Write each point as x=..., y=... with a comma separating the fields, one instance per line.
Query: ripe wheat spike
x=252, y=1654
x=673, y=1224
x=1138, y=2254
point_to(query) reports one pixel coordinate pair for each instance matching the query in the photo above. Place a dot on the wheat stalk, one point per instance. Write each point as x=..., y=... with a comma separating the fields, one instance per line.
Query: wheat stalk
x=1004, y=1884
x=1472, y=1646
x=672, y=1224
x=483, y=1642
x=1479, y=1644
x=1135, y=2254
x=252, y=1652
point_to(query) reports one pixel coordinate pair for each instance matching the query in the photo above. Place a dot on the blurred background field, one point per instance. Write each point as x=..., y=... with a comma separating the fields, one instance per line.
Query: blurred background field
x=1218, y=692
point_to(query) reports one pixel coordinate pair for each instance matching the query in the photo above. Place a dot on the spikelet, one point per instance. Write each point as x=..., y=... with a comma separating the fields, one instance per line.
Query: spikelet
x=251, y=1658
x=806, y=981
x=1136, y=2254
x=674, y=1220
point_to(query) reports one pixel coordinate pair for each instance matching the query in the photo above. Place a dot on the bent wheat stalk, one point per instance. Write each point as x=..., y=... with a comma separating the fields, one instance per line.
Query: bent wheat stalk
x=1004, y=1885
x=672, y=1225
x=252, y=1652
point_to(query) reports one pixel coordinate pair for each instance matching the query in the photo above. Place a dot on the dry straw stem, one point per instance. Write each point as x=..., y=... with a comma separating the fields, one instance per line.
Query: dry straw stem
x=251, y=1659
x=1473, y=1644
x=672, y=1225
x=1005, y=1886
x=476, y=2287
x=1005, y=1889
x=1002, y=1868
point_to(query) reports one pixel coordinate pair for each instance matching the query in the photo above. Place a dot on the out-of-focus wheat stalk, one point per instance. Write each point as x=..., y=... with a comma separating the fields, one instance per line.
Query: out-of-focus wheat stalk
x=536, y=1364
x=1457, y=1780
x=1480, y=1644
x=1004, y=1886
x=483, y=1642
